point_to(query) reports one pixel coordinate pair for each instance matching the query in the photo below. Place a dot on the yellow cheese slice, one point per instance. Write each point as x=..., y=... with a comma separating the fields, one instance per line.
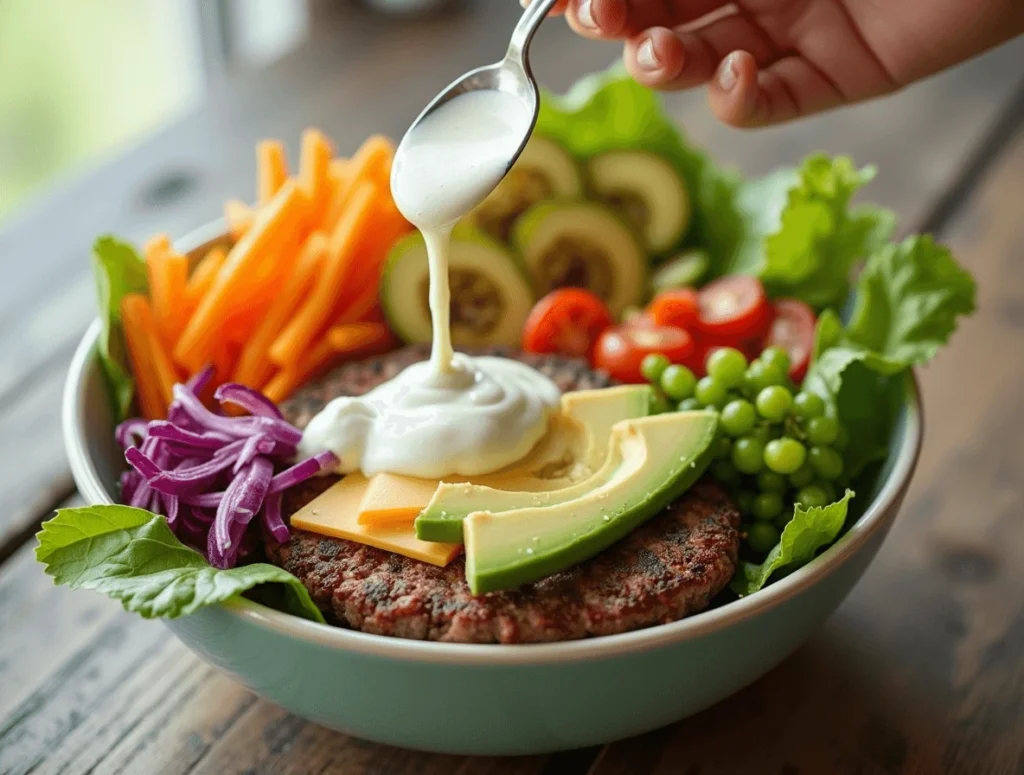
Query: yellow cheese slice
x=391, y=499
x=336, y=513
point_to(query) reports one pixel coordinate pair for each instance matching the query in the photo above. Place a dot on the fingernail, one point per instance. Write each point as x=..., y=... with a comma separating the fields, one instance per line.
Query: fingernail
x=585, y=16
x=524, y=3
x=647, y=57
x=727, y=72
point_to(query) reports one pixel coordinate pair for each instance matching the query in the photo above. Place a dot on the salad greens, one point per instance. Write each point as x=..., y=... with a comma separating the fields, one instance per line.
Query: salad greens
x=119, y=270
x=131, y=555
x=808, y=531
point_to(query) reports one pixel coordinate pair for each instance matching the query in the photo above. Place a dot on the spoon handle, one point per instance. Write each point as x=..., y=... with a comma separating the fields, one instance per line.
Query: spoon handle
x=526, y=29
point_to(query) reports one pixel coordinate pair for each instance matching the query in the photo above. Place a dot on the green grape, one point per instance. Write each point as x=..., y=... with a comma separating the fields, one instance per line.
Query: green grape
x=710, y=392
x=653, y=366
x=745, y=502
x=822, y=430
x=812, y=496
x=724, y=471
x=761, y=375
x=689, y=405
x=721, y=447
x=783, y=519
x=767, y=505
x=769, y=481
x=826, y=462
x=727, y=365
x=738, y=418
x=777, y=357
x=659, y=404
x=802, y=477
x=762, y=537
x=748, y=455
x=830, y=491
x=764, y=433
x=678, y=382
x=774, y=403
x=808, y=405
x=785, y=455
x=842, y=439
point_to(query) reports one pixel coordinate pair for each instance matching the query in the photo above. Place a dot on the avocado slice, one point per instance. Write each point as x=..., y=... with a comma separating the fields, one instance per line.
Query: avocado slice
x=584, y=245
x=594, y=413
x=682, y=271
x=660, y=458
x=490, y=294
x=646, y=189
x=543, y=171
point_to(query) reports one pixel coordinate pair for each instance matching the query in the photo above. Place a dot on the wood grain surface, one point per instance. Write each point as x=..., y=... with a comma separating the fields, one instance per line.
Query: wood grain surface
x=919, y=671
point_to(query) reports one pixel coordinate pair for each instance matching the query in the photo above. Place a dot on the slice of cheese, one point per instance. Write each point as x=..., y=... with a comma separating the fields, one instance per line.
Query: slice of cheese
x=391, y=499
x=336, y=513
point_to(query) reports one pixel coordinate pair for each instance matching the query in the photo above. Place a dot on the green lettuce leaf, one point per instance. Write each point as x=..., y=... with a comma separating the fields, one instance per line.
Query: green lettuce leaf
x=803, y=235
x=119, y=270
x=808, y=531
x=131, y=555
x=610, y=111
x=909, y=298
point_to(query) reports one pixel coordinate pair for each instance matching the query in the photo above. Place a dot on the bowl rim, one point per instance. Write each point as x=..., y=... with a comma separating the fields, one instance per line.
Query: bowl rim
x=879, y=513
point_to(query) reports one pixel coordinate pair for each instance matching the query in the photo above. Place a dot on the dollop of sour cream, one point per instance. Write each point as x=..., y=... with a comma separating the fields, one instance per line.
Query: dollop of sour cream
x=484, y=414
x=452, y=415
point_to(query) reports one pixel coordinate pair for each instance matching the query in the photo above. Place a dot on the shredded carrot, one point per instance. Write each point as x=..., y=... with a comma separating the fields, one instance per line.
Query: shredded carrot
x=342, y=249
x=168, y=276
x=253, y=365
x=154, y=372
x=271, y=169
x=239, y=217
x=249, y=265
x=203, y=276
x=314, y=168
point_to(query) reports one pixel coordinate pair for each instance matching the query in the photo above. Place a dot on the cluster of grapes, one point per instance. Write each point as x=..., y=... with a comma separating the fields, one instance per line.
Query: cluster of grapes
x=776, y=446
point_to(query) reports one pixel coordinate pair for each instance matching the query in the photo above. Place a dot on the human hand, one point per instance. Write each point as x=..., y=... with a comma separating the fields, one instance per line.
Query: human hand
x=767, y=61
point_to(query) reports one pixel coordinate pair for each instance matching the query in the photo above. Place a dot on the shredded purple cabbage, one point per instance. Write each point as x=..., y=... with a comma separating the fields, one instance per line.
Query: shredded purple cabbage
x=212, y=475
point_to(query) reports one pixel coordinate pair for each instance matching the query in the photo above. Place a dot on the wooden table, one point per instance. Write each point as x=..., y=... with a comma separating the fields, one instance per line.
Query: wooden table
x=920, y=671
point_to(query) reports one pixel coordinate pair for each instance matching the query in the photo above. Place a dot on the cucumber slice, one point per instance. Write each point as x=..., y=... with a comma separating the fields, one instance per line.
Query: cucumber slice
x=682, y=271
x=491, y=296
x=647, y=191
x=543, y=171
x=583, y=245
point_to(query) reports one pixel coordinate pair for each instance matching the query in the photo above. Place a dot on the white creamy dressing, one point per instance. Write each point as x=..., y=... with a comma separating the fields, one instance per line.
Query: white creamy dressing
x=453, y=414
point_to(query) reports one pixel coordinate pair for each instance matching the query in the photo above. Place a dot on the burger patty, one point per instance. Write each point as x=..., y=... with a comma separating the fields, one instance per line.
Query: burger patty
x=670, y=567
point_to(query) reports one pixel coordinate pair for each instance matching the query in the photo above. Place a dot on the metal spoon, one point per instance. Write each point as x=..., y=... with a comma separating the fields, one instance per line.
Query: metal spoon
x=511, y=75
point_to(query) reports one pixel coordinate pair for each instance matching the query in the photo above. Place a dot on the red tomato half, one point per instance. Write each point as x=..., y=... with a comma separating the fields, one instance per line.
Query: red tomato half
x=679, y=308
x=567, y=321
x=733, y=310
x=793, y=330
x=621, y=349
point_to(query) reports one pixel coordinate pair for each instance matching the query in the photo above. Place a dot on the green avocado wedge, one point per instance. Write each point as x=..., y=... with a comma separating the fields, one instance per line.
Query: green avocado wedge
x=595, y=412
x=660, y=457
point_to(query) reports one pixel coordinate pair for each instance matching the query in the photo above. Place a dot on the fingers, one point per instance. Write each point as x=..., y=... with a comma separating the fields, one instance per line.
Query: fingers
x=621, y=19
x=558, y=10
x=744, y=95
x=681, y=59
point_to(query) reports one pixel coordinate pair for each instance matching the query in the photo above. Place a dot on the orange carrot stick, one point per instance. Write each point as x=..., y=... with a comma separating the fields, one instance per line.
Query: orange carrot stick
x=158, y=243
x=253, y=365
x=340, y=178
x=233, y=288
x=289, y=346
x=371, y=162
x=239, y=217
x=314, y=166
x=154, y=373
x=271, y=169
x=203, y=276
x=168, y=276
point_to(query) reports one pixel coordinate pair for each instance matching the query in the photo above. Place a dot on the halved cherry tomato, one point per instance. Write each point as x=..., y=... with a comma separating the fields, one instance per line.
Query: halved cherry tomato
x=621, y=349
x=733, y=309
x=679, y=308
x=566, y=321
x=793, y=330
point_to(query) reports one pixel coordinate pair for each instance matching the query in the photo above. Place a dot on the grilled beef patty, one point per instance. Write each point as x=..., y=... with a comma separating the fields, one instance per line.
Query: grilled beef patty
x=669, y=568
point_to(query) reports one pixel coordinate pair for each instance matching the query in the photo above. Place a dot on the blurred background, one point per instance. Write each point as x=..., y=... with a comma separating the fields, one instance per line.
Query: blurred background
x=80, y=79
